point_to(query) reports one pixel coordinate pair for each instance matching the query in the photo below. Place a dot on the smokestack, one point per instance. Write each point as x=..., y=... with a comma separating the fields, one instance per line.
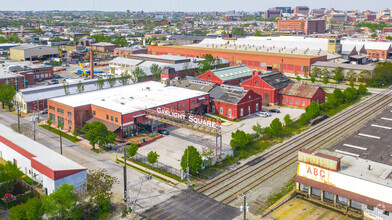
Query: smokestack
x=91, y=64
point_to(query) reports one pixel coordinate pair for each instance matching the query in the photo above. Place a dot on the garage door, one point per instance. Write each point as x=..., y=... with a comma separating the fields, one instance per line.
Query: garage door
x=316, y=191
x=328, y=195
x=341, y=200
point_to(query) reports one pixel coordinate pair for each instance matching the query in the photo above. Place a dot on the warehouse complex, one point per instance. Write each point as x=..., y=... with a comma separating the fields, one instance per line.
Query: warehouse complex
x=33, y=52
x=38, y=162
x=122, y=108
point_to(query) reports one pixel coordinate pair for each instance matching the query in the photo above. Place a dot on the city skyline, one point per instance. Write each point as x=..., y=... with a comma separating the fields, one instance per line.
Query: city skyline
x=186, y=6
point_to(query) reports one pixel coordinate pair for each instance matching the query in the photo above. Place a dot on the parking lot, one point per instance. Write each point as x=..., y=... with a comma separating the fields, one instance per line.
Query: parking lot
x=300, y=209
x=172, y=146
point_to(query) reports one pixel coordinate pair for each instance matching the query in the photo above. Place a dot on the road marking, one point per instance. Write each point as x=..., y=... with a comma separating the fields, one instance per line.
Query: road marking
x=325, y=215
x=342, y=217
x=356, y=147
x=388, y=119
x=347, y=153
x=380, y=126
x=308, y=213
x=369, y=136
x=290, y=210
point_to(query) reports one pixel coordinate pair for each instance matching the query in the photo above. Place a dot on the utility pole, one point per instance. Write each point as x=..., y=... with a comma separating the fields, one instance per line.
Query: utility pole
x=34, y=125
x=125, y=178
x=245, y=207
x=18, y=113
x=60, y=127
x=142, y=179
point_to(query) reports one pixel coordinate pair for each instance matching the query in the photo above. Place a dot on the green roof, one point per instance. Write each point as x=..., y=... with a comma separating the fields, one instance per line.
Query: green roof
x=233, y=72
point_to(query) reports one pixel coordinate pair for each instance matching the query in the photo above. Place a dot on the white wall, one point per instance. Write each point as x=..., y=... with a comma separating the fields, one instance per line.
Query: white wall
x=8, y=154
x=77, y=179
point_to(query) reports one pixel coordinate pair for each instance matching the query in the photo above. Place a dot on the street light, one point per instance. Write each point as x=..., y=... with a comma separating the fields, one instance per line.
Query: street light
x=60, y=126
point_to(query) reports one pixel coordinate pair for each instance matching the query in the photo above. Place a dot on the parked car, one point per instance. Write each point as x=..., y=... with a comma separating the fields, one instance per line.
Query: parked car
x=45, y=111
x=65, y=79
x=55, y=81
x=56, y=76
x=263, y=114
x=274, y=111
x=163, y=131
x=39, y=80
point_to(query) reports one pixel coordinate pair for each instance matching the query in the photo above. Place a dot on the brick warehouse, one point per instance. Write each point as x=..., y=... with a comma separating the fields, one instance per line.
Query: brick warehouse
x=292, y=63
x=121, y=109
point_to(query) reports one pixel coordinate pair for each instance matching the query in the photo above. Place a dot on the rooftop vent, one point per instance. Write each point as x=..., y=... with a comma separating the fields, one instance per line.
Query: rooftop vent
x=102, y=99
x=122, y=103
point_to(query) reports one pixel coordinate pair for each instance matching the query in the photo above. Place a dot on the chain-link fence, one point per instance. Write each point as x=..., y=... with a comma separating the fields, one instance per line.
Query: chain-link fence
x=158, y=165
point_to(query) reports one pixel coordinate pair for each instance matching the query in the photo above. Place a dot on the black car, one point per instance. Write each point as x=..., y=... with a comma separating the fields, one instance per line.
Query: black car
x=163, y=131
x=56, y=76
x=274, y=111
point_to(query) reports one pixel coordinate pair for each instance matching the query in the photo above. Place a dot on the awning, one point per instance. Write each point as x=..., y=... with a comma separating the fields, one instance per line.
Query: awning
x=111, y=126
x=139, y=115
x=202, y=98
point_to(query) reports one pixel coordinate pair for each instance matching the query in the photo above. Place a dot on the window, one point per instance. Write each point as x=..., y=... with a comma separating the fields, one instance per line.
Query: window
x=69, y=114
x=179, y=106
x=116, y=119
x=69, y=122
x=303, y=103
x=107, y=117
x=284, y=100
x=51, y=107
x=369, y=207
x=209, y=76
x=257, y=82
x=250, y=97
x=93, y=112
x=172, y=108
x=257, y=107
x=242, y=112
x=52, y=117
x=229, y=112
x=60, y=120
x=221, y=110
x=111, y=118
x=296, y=102
x=386, y=213
x=291, y=101
x=86, y=112
x=184, y=105
x=59, y=110
x=193, y=102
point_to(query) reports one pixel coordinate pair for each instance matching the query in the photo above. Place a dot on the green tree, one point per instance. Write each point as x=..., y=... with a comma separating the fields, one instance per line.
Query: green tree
x=152, y=157
x=338, y=95
x=389, y=38
x=203, y=66
x=49, y=122
x=100, y=83
x=349, y=94
x=325, y=73
x=338, y=74
x=132, y=150
x=316, y=72
x=156, y=71
x=31, y=210
x=287, y=121
x=238, y=31
x=194, y=160
x=138, y=75
x=312, y=110
x=111, y=81
x=364, y=76
x=80, y=87
x=362, y=90
x=325, y=80
x=275, y=128
x=63, y=203
x=313, y=79
x=98, y=133
x=258, y=129
x=7, y=93
x=124, y=79
x=66, y=88
x=9, y=175
x=374, y=35
x=298, y=78
x=351, y=75
x=240, y=140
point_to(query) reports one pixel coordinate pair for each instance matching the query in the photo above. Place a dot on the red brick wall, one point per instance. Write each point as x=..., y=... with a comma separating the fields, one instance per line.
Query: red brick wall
x=302, y=102
x=291, y=63
x=210, y=77
x=264, y=89
x=381, y=54
x=124, y=53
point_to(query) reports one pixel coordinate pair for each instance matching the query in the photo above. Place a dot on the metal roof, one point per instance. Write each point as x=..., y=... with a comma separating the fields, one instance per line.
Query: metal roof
x=233, y=72
x=275, y=79
x=299, y=90
x=368, y=67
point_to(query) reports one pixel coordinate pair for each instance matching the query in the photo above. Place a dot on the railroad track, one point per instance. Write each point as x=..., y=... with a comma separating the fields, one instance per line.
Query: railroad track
x=324, y=130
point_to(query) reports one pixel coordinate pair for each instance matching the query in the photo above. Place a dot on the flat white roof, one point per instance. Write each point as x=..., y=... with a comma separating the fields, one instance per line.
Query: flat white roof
x=44, y=155
x=131, y=98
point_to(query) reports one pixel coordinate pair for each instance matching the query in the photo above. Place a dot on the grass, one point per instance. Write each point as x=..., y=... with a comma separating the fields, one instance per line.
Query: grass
x=275, y=197
x=96, y=150
x=29, y=181
x=158, y=177
x=64, y=135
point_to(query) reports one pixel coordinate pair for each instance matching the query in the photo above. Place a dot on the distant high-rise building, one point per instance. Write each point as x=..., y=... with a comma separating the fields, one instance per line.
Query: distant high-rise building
x=272, y=13
x=302, y=26
x=283, y=9
x=301, y=10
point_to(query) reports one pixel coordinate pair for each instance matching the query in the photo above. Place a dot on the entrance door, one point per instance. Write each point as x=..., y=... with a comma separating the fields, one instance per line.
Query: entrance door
x=248, y=110
x=266, y=99
x=213, y=108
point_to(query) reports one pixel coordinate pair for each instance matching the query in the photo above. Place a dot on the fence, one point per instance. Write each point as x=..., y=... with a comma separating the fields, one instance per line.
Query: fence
x=158, y=165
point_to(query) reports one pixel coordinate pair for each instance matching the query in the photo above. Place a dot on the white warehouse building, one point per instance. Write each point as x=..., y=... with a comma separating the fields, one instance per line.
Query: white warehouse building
x=40, y=163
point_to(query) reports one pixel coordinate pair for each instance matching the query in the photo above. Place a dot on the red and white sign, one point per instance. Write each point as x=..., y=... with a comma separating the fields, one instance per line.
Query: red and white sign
x=313, y=172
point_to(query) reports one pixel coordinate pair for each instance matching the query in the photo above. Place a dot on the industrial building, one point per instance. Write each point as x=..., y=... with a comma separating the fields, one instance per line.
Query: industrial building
x=300, y=95
x=122, y=109
x=302, y=26
x=38, y=162
x=103, y=47
x=125, y=51
x=347, y=68
x=233, y=75
x=32, y=71
x=33, y=52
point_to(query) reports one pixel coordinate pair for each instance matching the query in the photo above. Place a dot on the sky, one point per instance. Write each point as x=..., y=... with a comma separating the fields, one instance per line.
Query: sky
x=186, y=5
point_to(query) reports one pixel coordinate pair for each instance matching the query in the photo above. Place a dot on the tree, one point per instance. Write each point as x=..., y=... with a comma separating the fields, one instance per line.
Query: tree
x=203, y=66
x=374, y=35
x=338, y=95
x=152, y=157
x=349, y=94
x=298, y=78
x=240, y=140
x=9, y=175
x=7, y=93
x=312, y=110
x=132, y=150
x=111, y=81
x=313, y=79
x=238, y=31
x=362, y=90
x=325, y=73
x=185, y=68
x=338, y=74
x=32, y=209
x=316, y=72
x=275, y=128
x=98, y=133
x=75, y=133
x=100, y=83
x=49, y=122
x=124, y=79
x=287, y=121
x=389, y=38
x=351, y=75
x=80, y=87
x=258, y=129
x=138, y=75
x=194, y=160
x=325, y=80
x=66, y=88
x=63, y=203
x=156, y=71
x=364, y=76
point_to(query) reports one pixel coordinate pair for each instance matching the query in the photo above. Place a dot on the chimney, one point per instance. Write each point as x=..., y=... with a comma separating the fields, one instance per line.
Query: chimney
x=256, y=72
x=91, y=64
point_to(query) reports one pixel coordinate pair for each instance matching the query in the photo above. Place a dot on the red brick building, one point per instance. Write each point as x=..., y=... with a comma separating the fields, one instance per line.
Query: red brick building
x=292, y=63
x=233, y=75
x=267, y=85
x=103, y=47
x=301, y=95
x=303, y=26
x=125, y=51
x=16, y=80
